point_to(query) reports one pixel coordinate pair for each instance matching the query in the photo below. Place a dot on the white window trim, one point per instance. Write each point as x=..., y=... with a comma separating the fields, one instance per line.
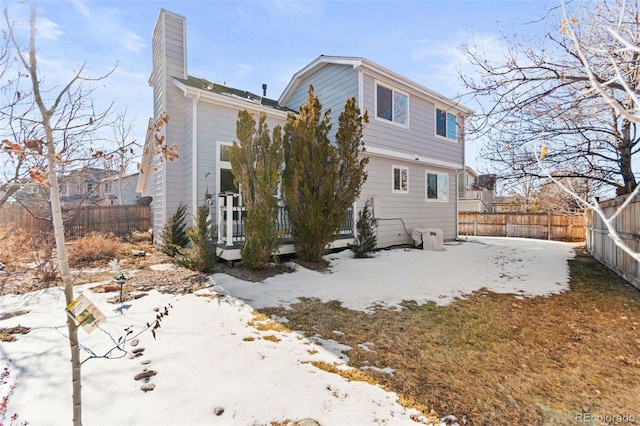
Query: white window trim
x=435, y=125
x=221, y=164
x=393, y=89
x=426, y=186
x=399, y=191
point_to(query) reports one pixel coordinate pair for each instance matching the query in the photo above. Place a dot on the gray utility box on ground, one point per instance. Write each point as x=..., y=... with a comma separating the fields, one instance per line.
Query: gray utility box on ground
x=428, y=238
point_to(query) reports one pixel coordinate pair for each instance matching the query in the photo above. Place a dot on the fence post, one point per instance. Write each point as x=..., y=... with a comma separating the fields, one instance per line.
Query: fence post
x=229, y=220
x=506, y=225
x=548, y=226
x=475, y=216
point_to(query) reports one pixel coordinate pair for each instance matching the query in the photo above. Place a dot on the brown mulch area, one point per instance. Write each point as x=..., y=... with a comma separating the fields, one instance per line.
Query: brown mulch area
x=140, y=276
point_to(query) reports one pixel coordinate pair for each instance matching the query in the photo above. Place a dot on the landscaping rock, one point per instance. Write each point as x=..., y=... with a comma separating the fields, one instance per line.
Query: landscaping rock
x=218, y=411
x=145, y=362
x=145, y=375
x=148, y=387
x=304, y=422
x=111, y=287
x=135, y=342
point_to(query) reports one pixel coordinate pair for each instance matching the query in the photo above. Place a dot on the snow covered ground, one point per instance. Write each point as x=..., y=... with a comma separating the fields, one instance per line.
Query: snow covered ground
x=208, y=358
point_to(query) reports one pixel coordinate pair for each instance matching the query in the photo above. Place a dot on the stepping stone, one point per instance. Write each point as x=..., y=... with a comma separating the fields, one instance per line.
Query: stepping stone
x=145, y=374
x=145, y=362
x=135, y=342
x=148, y=387
x=137, y=350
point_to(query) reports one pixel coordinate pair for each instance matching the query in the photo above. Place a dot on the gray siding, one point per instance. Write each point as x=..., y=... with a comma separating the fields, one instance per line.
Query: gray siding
x=333, y=84
x=396, y=211
x=419, y=138
x=217, y=123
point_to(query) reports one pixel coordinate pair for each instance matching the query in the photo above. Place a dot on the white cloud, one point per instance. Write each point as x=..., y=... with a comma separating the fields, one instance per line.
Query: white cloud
x=46, y=29
x=82, y=8
x=132, y=41
x=244, y=69
x=442, y=62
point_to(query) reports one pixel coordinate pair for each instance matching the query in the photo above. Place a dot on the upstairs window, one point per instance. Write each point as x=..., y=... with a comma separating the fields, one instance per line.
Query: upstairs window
x=400, y=179
x=446, y=125
x=437, y=186
x=392, y=105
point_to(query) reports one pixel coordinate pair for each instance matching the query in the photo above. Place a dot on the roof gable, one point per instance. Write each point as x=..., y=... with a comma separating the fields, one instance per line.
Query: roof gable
x=365, y=65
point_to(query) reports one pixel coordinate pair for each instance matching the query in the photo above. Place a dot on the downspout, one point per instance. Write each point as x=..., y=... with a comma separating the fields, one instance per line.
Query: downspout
x=458, y=172
x=194, y=154
x=464, y=165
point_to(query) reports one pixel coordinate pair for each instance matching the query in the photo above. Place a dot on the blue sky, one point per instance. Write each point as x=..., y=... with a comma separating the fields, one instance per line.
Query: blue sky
x=246, y=43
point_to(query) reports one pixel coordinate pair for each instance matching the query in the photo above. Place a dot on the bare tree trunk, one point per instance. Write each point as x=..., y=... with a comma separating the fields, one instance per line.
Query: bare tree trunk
x=56, y=213
x=58, y=229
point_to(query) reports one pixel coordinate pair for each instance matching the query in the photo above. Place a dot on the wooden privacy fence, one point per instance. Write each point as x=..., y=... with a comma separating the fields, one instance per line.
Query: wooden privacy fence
x=524, y=225
x=118, y=220
x=627, y=225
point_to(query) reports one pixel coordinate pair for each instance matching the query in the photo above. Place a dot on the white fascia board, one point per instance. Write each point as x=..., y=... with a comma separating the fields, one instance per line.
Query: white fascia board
x=215, y=98
x=387, y=153
x=428, y=93
x=318, y=63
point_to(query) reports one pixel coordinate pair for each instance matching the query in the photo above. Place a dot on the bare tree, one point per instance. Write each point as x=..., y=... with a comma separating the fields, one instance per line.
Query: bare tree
x=620, y=48
x=60, y=127
x=541, y=91
x=53, y=130
x=121, y=157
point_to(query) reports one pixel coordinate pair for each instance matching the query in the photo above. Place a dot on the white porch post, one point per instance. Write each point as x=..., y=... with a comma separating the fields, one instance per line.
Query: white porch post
x=355, y=219
x=219, y=219
x=229, y=220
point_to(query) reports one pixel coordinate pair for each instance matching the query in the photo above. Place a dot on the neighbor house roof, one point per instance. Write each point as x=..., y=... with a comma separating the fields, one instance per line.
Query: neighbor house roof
x=364, y=64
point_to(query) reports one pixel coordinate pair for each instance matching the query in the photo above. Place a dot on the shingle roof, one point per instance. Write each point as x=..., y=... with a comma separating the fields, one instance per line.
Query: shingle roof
x=201, y=83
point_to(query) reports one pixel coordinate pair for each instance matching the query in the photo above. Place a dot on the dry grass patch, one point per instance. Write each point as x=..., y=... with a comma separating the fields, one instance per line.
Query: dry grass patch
x=94, y=248
x=15, y=247
x=351, y=374
x=262, y=322
x=498, y=359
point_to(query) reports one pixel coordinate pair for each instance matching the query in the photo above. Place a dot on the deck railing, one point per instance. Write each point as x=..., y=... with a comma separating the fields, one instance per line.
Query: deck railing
x=231, y=232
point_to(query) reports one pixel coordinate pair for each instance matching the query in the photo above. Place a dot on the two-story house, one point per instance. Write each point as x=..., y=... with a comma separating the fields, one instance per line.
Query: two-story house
x=476, y=192
x=414, y=140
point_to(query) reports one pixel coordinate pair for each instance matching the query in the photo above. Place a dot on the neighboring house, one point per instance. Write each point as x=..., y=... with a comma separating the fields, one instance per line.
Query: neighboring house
x=476, y=192
x=76, y=186
x=414, y=140
x=32, y=194
x=118, y=190
x=82, y=186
